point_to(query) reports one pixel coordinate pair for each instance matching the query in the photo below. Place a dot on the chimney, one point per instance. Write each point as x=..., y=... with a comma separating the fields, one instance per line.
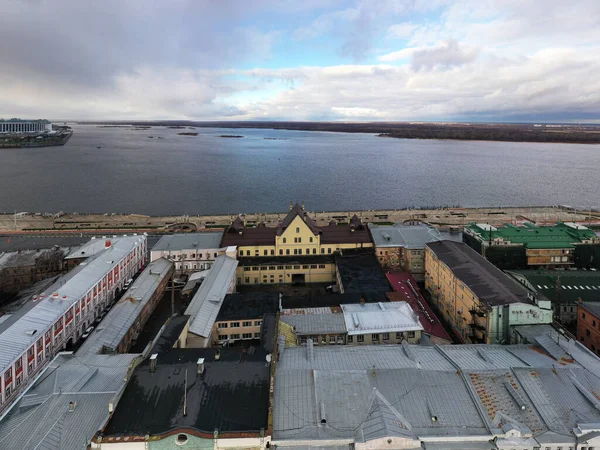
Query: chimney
x=153, y=362
x=217, y=355
x=107, y=243
x=200, y=366
x=309, y=350
x=323, y=416
x=72, y=406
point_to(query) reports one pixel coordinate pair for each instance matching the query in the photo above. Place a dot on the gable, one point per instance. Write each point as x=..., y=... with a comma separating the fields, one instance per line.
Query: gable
x=303, y=231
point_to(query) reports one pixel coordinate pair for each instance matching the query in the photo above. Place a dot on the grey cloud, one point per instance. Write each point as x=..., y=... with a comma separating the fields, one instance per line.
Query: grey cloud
x=448, y=54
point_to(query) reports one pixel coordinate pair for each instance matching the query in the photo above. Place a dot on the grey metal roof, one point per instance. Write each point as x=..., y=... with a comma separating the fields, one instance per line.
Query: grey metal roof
x=364, y=318
x=189, y=241
x=474, y=392
x=91, y=248
x=407, y=236
x=41, y=419
x=107, y=336
x=205, y=305
x=307, y=324
x=15, y=340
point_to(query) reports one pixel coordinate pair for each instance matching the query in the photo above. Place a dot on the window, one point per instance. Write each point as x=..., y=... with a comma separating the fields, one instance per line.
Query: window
x=281, y=251
x=305, y=266
x=583, y=315
x=246, y=268
x=247, y=323
x=271, y=267
x=375, y=337
x=299, y=240
x=310, y=239
x=265, y=253
x=386, y=336
x=329, y=250
x=399, y=336
x=350, y=339
x=18, y=364
x=360, y=338
x=284, y=240
x=272, y=252
x=308, y=251
x=279, y=267
x=223, y=324
x=411, y=334
x=322, y=250
x=235, y=324
x=222, y=337
x=314, y=251
x=288, y=267
x=321, y=266
x=332, y=339
x=256, y=335
x=587, y=332
x=257, y=323
x=247, y=336
x=215, y=255
x=287, y=251
x=255, y=269
x=313, y=266
x=295, y=240
x=295, y=251
x=247, y=252
x=234, y=336
x=296, y=267
x=297, y=230
x=247, y=280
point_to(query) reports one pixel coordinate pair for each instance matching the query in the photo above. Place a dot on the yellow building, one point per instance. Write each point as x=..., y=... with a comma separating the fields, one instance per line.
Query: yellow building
x=296, y=251
x=478, y=300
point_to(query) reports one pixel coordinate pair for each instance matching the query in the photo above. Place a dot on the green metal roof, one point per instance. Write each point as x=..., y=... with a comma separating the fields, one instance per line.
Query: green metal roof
x=560, y=235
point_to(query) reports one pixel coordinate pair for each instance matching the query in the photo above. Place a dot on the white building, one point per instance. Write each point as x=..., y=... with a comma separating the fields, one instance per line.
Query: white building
x=30, y=338
x=191, y=252
x=24, y=126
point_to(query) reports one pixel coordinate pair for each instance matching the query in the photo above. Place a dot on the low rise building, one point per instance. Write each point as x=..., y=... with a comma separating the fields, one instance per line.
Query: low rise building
x=438, y=397
x=476, y=298
x=296, y=238
x=402, y=247
x=22, y=268
x=24, y=126
x=120, y=328
x=65, y=407
x=240, y=316
x=405, y=289
x=564, y=288
x=79, y=254
x=531, y=246
x=194, y=399
x=588, y=325
x=191, y=252
x=206, y=303
x=358, y=272
x=30, y=338
x=354, y=324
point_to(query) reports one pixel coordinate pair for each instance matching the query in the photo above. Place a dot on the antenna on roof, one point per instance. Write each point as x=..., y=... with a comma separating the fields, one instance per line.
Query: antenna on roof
x=185, y=396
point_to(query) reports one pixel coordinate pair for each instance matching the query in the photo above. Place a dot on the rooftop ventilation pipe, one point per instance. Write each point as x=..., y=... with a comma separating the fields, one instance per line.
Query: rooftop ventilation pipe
x=153, y=362
x=200, y=366
x=107, y=243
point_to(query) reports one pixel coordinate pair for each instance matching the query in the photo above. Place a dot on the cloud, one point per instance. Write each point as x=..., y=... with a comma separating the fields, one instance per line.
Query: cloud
x=448, y=54
x=401, y=30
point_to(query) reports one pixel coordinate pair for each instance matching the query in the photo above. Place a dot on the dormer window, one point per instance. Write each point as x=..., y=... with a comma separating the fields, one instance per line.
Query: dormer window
x=297, y=230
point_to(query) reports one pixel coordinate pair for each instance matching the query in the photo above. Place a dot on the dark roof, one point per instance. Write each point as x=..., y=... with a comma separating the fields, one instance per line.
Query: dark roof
x=249, y=236
x=268, y=331
x=285, y=260
x=238, y=234
x=489, y=283
x=360, y=273
x=248, y=305
x=327, y=300
x=592, y=307
x=170, y=334
x=232, y=395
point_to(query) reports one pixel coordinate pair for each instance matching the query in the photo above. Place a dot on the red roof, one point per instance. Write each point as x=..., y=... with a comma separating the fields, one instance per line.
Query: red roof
x=405, y=287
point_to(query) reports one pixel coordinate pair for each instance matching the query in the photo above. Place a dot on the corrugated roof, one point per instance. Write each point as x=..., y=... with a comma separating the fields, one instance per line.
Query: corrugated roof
x=407, y=236
x=107, y=336
x=474, y=392
x=41, y=419
x=15, y=340
x=205, y=305
x=307, y=324
x=91, y=248
x=189, y=241
x=365, y=318
x=489, y=283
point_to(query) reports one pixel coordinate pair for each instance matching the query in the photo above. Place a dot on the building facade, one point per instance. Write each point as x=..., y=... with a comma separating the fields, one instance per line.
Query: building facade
x=191, y=252
x=296, y=239
x=31, y=340
x=25, y=126
x=588, y=325
x=510, y=246
x=477, y=299
x=402, y=247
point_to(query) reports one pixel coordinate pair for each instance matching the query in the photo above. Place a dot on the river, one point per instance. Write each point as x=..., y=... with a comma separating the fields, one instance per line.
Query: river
x=208, y=174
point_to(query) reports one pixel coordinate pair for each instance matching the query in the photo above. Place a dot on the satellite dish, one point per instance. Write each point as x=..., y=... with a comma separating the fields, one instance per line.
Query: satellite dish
x=268, y=358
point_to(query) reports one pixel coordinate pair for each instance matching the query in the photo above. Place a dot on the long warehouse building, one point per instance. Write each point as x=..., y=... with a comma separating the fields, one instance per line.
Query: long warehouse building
x=29, y=341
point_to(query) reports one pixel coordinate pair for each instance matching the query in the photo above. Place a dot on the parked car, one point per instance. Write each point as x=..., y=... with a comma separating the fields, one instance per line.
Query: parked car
x=87, y=333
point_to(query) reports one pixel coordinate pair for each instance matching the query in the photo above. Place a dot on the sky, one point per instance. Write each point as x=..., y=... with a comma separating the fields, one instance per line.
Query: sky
x=304, y=60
